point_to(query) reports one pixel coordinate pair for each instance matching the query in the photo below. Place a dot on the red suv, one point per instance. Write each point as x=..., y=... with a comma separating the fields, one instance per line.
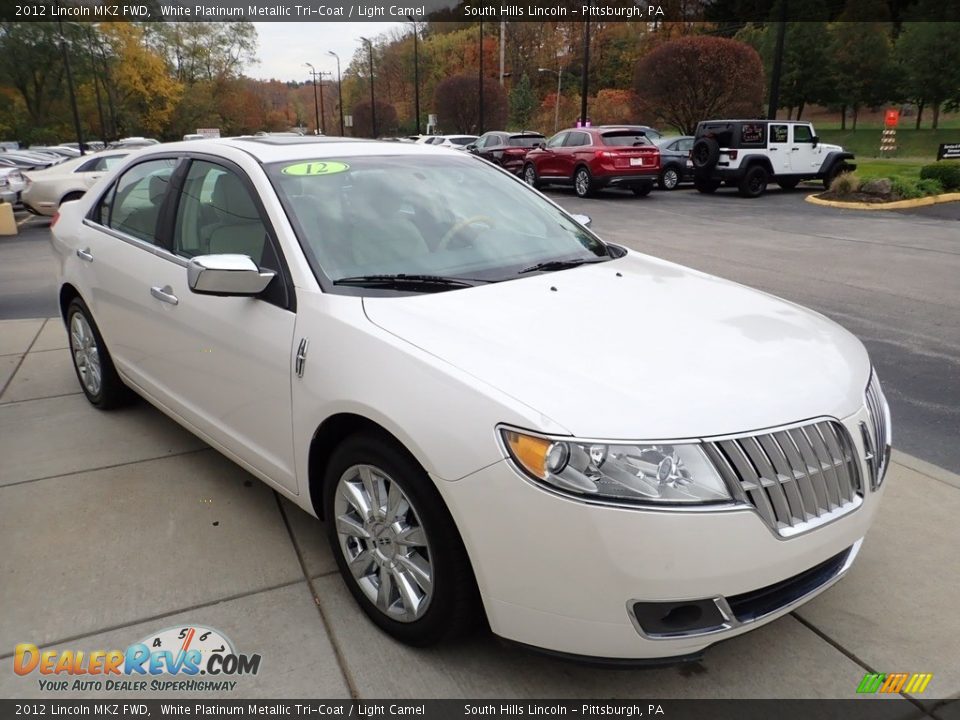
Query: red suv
x=593, y=158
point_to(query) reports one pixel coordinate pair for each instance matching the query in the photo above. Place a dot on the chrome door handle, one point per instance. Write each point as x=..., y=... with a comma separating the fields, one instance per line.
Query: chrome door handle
x=85, y=255
x=164, y=294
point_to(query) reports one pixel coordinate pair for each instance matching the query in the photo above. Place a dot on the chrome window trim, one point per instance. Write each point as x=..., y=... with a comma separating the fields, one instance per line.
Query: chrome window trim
x=730, y=620
x=137, y=242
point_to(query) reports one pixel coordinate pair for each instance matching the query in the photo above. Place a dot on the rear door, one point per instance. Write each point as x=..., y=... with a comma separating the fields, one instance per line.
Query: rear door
x=576, y=148
x=778, y=145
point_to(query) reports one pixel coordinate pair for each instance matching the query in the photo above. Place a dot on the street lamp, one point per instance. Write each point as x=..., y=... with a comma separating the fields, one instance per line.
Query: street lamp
x=373, y=106
x=556, y=112
x=416, y=74
x=480, y=83
x=316, y=107
x=585, y=79
x=339, y=89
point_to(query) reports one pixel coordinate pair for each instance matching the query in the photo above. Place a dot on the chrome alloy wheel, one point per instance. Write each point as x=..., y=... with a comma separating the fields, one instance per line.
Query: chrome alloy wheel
x=530, y=176
x=383, y=542
x=86, y=354
x=671, y=178
x=582, y=182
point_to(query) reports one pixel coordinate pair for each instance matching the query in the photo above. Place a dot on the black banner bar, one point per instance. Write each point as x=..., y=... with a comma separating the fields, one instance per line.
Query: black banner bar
x=890, y=708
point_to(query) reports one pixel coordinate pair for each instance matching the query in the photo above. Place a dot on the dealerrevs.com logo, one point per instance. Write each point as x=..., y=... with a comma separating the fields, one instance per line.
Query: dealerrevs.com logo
x=186, y=659
x=894, y=682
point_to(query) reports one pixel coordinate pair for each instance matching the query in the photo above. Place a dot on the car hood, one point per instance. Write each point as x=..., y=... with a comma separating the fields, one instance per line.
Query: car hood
x=827, y=147
x=639, y=348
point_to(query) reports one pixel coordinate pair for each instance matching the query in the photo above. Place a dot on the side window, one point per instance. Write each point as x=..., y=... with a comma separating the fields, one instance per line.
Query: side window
x=752, y=134
x=778, y=134
x=557, y=140
x=685, y=145
x=492, y=141
x=91, y=165
x=577, y=139
x=802, y=134
x=135, y=206
x=217, y=215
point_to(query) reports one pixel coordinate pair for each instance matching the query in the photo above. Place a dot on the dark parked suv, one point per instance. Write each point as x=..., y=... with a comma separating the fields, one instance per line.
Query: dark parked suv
x=506, y=149
x=590, y=159
x=749, y=154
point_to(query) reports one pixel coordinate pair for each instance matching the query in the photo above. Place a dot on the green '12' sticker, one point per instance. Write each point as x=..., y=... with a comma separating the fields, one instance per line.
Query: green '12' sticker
x=315, y=167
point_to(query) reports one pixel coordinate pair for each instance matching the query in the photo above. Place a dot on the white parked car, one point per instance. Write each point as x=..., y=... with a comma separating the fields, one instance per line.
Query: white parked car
x=47, y=189
x=457, y=142
x=496, y=413
x=11, y=185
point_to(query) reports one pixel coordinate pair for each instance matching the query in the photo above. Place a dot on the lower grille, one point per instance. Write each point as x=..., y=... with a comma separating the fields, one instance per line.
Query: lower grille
x=795, y=478
x=758, y=603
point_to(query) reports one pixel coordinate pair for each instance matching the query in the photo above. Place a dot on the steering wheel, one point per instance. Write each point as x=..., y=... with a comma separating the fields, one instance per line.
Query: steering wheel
x=460, y=227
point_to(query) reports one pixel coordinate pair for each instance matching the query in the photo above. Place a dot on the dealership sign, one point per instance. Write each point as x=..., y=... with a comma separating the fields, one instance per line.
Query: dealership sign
x=949, y=151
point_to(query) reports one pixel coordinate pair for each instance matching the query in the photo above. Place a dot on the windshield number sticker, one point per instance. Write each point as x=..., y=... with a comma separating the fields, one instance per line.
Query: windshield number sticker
x=316, y=167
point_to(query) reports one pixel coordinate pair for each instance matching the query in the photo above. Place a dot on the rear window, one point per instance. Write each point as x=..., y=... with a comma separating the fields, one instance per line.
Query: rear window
x=625, y=138
x=527, y=141
x=462, y=140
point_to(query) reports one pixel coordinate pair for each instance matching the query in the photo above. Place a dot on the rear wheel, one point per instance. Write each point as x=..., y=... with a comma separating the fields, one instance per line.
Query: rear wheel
x=754, y=182
x=395, y=543
x=530, y=176
x=706, y=185
x=669, y=178
x=582, y=182
x=91, y=360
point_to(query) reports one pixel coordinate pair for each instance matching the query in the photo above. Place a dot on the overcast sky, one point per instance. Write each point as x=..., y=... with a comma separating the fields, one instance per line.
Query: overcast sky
x=284, y=47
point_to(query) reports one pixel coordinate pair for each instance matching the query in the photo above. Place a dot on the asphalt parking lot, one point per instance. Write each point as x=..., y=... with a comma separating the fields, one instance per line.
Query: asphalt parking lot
x=115, y=525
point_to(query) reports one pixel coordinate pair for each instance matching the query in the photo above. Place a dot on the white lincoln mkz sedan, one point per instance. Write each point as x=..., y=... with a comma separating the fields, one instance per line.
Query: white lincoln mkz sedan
x=499, y=416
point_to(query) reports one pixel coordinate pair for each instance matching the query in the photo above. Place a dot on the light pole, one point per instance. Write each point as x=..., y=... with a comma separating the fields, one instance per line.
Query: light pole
x=585, y=80
x=373, y=106
x=339, y=89
x=316, y=108
x=73, y=97
x=556, y=112
x=480, y=83
x=416, y=74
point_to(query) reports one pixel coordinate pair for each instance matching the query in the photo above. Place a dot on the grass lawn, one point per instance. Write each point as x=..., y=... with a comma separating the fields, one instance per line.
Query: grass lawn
x=918, y=145
x=895, y=167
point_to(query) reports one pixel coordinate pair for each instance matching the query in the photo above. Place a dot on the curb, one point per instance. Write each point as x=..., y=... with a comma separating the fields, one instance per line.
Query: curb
x=924, y=468
x=896, y=205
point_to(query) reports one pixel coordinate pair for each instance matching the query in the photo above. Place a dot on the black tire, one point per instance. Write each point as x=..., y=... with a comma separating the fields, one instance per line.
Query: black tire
x=706, y=185
x=705, y=153
x=788, y=184
x=84, y=336
x=642, y=190
x=453, y=609
x=530, y=176
x=754, y=182
x=670, y=177
x=583, y=182
x=69, y=197
x=838, y=168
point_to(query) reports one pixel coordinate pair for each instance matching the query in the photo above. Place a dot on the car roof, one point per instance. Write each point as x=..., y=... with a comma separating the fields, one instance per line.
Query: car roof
x=269, y=149
x=753, y=120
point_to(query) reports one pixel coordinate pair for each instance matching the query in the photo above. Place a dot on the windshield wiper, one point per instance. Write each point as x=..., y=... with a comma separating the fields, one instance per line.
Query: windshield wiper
x=402, y=281
x=550, y=265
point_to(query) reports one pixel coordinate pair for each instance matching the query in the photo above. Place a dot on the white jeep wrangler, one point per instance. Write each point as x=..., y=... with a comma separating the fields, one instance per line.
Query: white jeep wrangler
x=748, y=154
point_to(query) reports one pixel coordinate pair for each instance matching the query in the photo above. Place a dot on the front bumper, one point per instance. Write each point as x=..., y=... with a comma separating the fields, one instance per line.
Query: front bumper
x=562, y=575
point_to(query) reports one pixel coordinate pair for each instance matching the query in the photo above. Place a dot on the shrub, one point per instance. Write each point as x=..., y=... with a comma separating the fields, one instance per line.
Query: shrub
x=930, y=186
x=904, y=189
x=845, y=184
x=947, y=174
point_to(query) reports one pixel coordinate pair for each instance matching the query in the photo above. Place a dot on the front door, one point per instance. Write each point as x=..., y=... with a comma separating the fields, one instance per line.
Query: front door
x=806, y=158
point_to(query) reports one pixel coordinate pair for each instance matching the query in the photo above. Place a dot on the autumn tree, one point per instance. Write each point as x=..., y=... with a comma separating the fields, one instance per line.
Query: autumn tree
x=456, y=101
x=523, y=103
x=363, y=119
x=691, y=79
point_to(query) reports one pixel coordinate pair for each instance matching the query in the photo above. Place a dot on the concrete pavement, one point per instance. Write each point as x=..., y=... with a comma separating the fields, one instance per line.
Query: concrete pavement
x=117, y=525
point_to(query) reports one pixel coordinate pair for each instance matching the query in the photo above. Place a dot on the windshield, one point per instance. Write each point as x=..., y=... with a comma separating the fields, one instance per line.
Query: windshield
x=416, y=215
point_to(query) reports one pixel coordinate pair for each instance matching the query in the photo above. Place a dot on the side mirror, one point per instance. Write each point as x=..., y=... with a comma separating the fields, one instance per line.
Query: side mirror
x=472, y=147
x=582, y=219
x=815, y=140
x=226, y=275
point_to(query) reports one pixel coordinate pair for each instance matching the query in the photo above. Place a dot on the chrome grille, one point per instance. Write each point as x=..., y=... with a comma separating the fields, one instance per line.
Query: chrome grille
x=795, y=478
x=878, y=438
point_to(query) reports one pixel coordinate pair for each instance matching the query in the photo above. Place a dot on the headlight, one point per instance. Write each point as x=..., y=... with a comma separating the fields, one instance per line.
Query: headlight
x=631, y=473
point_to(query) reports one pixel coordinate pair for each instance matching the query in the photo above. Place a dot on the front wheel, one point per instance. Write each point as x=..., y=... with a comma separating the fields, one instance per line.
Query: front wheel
x=583, y=183
x=91, y=360
x=530, y=176
x=669, y=178
x=395, y=543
